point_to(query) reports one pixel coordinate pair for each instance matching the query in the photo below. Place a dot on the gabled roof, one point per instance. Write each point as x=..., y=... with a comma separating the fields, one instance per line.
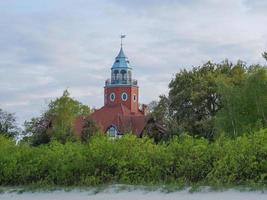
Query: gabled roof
x=119, y=116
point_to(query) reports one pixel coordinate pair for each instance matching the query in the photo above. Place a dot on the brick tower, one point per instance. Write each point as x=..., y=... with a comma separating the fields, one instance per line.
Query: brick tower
x=121, y=88
x=120, y=113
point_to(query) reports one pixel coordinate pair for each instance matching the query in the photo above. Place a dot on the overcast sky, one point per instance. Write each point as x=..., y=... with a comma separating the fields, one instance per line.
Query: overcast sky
x=47, y=46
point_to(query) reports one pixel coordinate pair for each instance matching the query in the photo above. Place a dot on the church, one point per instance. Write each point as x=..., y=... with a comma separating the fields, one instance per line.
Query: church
x=121, y=112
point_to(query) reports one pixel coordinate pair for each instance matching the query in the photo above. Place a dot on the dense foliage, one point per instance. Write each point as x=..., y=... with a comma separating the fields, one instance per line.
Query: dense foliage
x=56, y=122
x=8, y=126
x=244, y=105
x=214, y=98
x=90, y=128
x=183, y=160
x=222, y=108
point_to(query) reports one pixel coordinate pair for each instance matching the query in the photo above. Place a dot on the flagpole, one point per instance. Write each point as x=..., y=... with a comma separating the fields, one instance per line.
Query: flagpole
x=122, y=36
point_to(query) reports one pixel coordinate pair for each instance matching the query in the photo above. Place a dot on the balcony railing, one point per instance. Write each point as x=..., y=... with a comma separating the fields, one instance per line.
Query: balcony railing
x=121, y=82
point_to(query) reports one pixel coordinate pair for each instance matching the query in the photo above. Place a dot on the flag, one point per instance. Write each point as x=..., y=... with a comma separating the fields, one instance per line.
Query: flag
x=123, y=36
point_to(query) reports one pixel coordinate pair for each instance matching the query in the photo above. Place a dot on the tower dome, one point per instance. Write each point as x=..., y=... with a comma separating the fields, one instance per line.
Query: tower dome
x=121, y=61
x=121, y=71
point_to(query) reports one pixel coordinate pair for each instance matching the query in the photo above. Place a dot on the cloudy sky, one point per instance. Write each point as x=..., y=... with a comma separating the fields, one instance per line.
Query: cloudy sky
x=47, y=46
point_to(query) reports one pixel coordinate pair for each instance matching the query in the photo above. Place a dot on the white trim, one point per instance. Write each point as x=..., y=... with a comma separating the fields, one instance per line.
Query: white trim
x=113, y=132
x=121, y=85
x=124, y=93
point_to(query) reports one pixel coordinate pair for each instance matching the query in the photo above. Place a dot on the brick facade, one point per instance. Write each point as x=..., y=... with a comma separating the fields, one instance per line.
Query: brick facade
x=132, y=97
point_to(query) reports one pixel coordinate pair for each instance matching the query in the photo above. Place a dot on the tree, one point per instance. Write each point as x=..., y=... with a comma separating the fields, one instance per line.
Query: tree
x=226, y=119
x=244, y=105
x=159, y=110
x=89, y=129
x=38, y=130
x=57, y=122
x=8, y=125
x=155, y=130
x=164, y=126
x=62, y=112
x=194, y=98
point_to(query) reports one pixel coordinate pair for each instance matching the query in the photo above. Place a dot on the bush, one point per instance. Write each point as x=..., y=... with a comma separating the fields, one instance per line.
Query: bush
x=243, y=160
x=131, y=160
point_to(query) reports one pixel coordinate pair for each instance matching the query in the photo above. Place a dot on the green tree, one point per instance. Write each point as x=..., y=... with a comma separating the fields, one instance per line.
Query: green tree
x=57, y=122
x=8, y=126
x=194, y=99
x=244, y=105
x=38, y=130
x=159, y=110
x=227, y=117
x=62, y=112
x=160, y=114
x=90, y=128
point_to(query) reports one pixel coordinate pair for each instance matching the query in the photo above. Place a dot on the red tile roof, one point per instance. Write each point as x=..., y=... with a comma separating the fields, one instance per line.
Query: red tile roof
x=119, y=116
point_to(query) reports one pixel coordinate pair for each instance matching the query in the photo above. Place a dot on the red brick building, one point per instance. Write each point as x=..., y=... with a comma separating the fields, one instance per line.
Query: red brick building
x=120, y=113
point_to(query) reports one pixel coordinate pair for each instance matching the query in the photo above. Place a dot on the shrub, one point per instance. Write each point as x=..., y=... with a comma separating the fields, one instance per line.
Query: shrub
x=131, y=160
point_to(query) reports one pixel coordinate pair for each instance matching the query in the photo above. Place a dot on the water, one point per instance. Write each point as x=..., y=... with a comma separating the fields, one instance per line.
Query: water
x=136, y=194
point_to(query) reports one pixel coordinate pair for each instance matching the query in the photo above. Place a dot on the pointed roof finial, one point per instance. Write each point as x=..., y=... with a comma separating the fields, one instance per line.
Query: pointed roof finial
x=122, y=36
x=121, y=61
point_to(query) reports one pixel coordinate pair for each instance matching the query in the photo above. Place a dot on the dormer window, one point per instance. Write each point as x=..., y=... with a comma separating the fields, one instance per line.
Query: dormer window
x=112, y=132
x=117, y=61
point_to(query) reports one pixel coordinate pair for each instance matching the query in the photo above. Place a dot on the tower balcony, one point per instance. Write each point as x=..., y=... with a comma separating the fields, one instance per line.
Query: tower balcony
x=110, y=82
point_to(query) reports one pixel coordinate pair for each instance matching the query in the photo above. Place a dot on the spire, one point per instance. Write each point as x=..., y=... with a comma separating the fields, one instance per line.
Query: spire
x=121, y=54
x=121, y=71
x=121, y=60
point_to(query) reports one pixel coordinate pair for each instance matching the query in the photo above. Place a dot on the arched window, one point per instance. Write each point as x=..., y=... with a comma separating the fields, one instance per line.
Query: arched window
x=116, y=74
x=129, y=75
x=112, y=132
x=123, y=75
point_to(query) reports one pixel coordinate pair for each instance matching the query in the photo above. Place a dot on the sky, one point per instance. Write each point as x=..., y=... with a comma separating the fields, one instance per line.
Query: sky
x=47, y=46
